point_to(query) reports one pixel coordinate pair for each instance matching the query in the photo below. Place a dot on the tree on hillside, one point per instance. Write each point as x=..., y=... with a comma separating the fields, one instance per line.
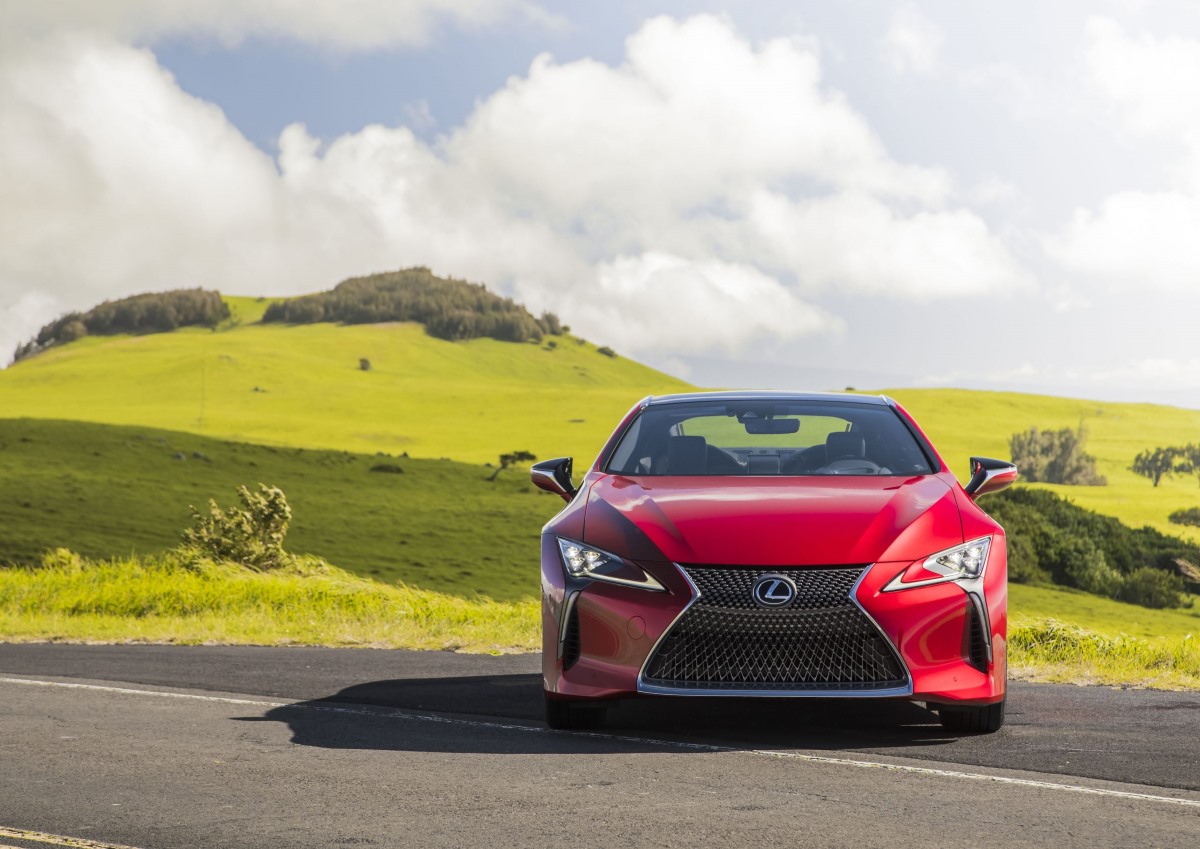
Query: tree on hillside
x=450, y=309
x=1190, y=454
x=153, y=312
x=1157, y=463
x=1186, y=516
x=512, y=459
x=1055, y=456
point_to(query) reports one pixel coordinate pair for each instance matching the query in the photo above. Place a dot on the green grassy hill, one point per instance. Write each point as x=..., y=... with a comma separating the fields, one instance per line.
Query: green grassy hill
x=963, y=423
x=470, y=401
x=105, y=490
x=302, y=386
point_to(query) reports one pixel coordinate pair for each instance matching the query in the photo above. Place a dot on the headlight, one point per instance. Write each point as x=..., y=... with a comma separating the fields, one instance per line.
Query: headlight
x=585, y=561
x=964, y=562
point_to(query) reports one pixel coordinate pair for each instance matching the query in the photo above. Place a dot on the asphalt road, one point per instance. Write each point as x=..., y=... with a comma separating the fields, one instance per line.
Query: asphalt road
x=152, y=746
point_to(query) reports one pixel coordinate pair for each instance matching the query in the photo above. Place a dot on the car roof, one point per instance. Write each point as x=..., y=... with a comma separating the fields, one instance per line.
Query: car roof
x=772, y=395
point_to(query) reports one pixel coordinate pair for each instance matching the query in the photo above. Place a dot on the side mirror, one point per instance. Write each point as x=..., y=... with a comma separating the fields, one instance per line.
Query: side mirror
x=988, y=476
x=554, y=476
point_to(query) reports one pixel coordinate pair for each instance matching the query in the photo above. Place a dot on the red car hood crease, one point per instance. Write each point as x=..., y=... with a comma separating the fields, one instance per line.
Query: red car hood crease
x=812, y=521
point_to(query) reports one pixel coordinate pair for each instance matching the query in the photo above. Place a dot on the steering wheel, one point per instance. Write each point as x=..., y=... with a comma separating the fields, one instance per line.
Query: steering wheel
x=805, y=461
x=851, y=465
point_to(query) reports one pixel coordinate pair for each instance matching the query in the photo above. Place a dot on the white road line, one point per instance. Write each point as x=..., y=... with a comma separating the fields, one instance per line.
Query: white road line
x=392, y=713
x=27, y=836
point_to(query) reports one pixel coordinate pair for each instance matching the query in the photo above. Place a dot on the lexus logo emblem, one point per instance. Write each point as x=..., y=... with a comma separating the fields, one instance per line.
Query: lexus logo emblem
x=774, y=591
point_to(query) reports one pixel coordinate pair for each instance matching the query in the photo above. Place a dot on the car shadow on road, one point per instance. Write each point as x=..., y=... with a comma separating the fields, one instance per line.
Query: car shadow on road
x=364, y=716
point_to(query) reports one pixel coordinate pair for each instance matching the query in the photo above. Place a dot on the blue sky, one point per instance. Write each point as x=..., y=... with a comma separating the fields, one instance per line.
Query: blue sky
x=792, y=194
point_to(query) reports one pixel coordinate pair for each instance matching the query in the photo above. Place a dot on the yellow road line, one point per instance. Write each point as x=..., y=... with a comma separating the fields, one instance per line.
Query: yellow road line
x=55, y=840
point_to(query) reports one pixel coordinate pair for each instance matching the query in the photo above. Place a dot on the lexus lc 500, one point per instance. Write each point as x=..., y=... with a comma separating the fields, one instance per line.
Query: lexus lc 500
x=779, y=545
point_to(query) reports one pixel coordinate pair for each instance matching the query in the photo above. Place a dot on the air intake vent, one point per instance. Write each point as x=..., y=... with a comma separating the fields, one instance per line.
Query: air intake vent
x=976, y=639
x=820, y=641
x=571, y=644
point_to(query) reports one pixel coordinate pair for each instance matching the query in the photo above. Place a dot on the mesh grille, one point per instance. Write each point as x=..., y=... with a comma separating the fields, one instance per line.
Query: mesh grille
x=571, y=642
x=977, y=648
x=822, y=641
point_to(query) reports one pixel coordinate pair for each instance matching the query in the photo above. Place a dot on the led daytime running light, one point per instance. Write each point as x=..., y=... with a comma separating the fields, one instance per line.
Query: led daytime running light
x=582, y=561
x=964, y=562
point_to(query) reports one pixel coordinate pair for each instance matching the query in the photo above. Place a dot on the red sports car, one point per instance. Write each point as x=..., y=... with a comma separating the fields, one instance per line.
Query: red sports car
x=773, y=544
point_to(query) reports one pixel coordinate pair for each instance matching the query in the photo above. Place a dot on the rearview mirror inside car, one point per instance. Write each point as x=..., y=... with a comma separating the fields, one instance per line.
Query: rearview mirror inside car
x=757, y=426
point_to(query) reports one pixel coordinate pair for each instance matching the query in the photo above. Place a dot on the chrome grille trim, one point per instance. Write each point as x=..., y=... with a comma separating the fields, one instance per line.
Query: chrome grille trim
x=900, y=690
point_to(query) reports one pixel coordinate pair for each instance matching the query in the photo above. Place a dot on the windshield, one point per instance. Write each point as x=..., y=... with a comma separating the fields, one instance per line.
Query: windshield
x=769, y=438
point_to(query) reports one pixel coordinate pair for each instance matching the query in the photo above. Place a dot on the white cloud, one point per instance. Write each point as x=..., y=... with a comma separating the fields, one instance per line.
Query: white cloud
x=342, y=24
x=653, y=204
x=1136, y=239
x=1154, y=82
x=693, y=306
x=28, y=310
x=994, y=189
x=913, y=43
x=1147, y=373
x=853, y=242
x=695, y=112
x=1143, y=238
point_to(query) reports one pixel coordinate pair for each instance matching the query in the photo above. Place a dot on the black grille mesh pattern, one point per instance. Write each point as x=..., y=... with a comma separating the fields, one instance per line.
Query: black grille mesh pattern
x=977, y=648
x=822, y=641
x=572, y=645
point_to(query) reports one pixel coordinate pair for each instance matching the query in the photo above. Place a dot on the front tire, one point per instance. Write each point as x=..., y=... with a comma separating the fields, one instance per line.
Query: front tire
x=986, y=719
x=568, y=715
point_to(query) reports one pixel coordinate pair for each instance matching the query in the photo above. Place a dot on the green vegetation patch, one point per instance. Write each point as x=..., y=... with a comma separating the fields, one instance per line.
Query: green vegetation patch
x=154, y=312
x=964, y=423
x=1051, y=650
x=303, y=386
x=1029, y=605
x=449, y=309
x=105, y=491
x=1050, y=539
x=181, y=598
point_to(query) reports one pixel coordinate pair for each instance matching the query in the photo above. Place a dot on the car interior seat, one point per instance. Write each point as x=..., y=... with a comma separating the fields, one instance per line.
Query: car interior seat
x=687, y=455
x=844, y=444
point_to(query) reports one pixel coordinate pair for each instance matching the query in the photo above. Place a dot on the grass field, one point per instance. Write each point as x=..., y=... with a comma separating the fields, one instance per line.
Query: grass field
x=1030, y=604
x=106, y=442
x=176, y=598
x=108, y=490
x=471, y=401
x=302, y=386
x=963, y=423
x=181, y=598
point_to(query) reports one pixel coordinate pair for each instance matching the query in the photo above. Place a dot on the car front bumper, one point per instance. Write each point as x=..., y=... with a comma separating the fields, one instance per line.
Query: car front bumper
x=600, y=640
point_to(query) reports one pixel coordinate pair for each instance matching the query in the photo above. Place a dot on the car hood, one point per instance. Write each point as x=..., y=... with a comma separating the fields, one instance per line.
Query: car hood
x=792, y=521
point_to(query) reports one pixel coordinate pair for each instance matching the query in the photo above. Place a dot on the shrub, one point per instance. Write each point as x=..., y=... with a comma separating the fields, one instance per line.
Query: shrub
x=154, y=312
x=550, y=324
x=251, y=535
x=1085, y=567
x=1055, y=456
x=607, y=351
x=387, y=468
x=511, y=459
x=1049, y=536
x=364, y=364
x=1024, y=566
x=450, y=309
x=1153, y=588
x=1190, y=516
